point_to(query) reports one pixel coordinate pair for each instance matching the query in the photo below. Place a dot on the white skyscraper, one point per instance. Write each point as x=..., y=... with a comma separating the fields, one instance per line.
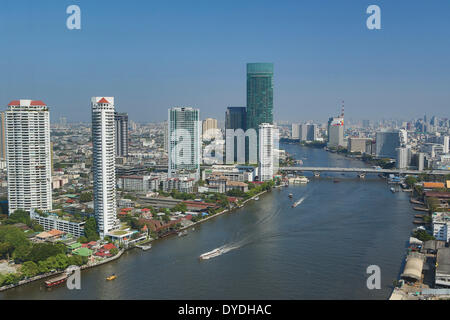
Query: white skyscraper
x=295, y=131
x=184, y=145
x=446, y=144
x=104, y=150
x=28, y=155
x=266, y=151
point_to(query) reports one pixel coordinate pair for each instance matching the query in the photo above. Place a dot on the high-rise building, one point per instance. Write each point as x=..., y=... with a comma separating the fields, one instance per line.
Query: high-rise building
x=2, y=136
x=184, y=141
x=266, y=151
x=209, y=127
x=403, y=159
x=357, y=145
x=121, y=127
x=259, y=94
x=295, y=131
x=28, y=155
x=336, y=131
x=387, y=142
x=103, y=167
x=308, y=132
x=446, y=141
x=236, y=118
x=166, y=136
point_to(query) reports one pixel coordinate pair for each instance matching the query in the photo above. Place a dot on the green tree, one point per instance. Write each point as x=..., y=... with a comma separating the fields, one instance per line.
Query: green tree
x=181, y=206
x=62, y=261
x=21, y=253
x=90, y=229
x=29, y=269
x=43, y=251
x=86, y=197
x=114, y=251
x=82, y=239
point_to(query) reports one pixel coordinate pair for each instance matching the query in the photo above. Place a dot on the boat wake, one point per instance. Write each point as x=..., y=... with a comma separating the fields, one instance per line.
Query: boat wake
x=299, y=201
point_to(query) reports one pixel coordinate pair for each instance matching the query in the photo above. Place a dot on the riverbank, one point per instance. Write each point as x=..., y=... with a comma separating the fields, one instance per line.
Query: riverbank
x=219, y=213
x=49, y=274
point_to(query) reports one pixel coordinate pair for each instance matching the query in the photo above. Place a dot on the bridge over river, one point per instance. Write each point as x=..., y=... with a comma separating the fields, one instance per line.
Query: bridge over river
x=318, y=170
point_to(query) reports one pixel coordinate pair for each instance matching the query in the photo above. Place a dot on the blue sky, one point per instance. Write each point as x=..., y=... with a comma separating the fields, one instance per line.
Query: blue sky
x=152, y=55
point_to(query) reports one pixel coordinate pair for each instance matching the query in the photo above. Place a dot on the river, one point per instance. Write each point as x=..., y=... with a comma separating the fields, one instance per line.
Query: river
x=318, y=250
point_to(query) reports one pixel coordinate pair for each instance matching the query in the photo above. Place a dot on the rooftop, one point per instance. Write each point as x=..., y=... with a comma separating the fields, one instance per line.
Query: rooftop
x=443, y=261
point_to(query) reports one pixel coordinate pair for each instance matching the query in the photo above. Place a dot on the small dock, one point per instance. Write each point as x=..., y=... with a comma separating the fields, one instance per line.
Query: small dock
x=416, y=201
x=144, y=247
x=421, y=209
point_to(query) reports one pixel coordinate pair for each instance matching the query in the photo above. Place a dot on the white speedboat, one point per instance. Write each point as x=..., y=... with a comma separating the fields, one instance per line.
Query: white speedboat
x=211, y=254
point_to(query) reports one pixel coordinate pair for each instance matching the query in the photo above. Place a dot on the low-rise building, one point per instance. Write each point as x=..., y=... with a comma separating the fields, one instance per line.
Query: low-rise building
x=52, y=221
x=442, y=277
x=441, y=225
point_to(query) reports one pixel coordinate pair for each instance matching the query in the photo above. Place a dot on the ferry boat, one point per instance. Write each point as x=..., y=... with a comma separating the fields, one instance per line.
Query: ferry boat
x=56, y=281
x=298, y=180
x=111, y=277
x=211, y=254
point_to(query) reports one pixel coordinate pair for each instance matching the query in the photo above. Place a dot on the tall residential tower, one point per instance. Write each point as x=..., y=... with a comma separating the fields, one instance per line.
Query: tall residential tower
x=104, y=145
x=28, y=155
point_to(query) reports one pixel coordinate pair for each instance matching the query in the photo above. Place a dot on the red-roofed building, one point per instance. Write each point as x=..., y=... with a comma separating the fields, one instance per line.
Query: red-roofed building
x=109, y=246
x=103, y=100
x=14, y=103
x=103, y=254
x=37, y=103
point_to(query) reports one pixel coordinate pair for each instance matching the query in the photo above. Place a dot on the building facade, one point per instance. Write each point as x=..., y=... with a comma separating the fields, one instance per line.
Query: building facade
x=184, y=145
x=104, y=145
x=121, y=127
x=259, y=94
x=28, y=155
x=209, y=127
x=336, y=132
x=386, y=144
x=236, y=118
x=52, y=221
x=2, y=136
x=266, y=151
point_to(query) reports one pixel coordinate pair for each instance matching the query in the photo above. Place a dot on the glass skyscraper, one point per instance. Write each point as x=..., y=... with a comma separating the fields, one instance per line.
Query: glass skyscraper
x=259, y=94
x=184, y=144
x=259, y=99
x=236, y=118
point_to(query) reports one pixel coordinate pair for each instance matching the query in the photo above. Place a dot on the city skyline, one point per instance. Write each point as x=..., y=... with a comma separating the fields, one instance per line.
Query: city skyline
x=378, y=73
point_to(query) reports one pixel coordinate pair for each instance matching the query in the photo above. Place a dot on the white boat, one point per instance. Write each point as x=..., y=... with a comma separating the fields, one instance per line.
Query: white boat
x=299, y=180
x=393, y=190
x=257, y=198
x=211, y=254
